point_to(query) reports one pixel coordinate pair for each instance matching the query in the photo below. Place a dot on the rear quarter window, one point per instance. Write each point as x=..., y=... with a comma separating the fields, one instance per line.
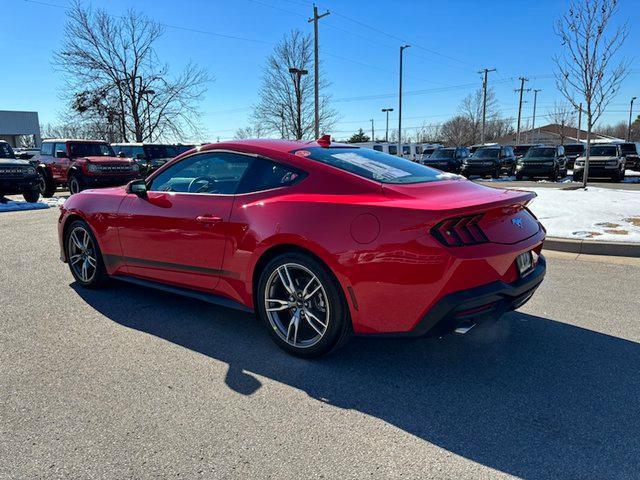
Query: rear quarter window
x=46, y=149
x=376, y=166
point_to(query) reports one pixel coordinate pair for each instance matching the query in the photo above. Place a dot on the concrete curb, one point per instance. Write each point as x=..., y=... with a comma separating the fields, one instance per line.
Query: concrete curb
x=591, y=247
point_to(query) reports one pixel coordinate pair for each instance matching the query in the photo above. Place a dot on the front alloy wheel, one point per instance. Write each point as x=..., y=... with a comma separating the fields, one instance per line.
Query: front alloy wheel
x=301, y=303
x=83, y=255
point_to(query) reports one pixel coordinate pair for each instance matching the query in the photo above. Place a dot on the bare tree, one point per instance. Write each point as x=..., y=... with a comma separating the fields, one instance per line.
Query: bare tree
x=563, y=117
x=249, y=132
x=286, y=105
x=114, y=76
x=585, y=73
x=428, y=133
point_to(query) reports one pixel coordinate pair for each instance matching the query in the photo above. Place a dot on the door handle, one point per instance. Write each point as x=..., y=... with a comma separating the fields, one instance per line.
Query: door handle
x=208, y=219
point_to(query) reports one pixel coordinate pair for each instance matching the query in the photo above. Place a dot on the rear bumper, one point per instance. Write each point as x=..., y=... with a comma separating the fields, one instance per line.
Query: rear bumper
x=478, y=304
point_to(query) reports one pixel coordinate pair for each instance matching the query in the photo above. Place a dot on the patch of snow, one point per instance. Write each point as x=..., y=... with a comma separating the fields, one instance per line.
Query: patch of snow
x=501, y=179
x=12, y=205
x=599, y=214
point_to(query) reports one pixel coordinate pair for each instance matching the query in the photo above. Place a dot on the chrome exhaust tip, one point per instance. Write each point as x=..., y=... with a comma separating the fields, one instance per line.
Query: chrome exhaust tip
x=462, y=330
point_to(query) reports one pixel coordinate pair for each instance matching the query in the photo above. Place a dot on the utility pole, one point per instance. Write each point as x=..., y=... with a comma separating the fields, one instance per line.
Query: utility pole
x=316, y=69
x=373, y=136
x=386, y=135
x=535, y=101
x=400, y=103
x=630, y=115
x=521, y=90
x=484, y=99
x=579, y=122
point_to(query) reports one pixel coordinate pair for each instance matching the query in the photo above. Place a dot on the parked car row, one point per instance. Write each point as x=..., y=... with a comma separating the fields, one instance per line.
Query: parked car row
x=536, y=161
x=78, y=164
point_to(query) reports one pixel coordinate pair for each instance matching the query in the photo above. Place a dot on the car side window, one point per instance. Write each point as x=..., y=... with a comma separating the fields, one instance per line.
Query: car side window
x=46, y=149
x=377, y=148
x=264, y=174
x=207, y=173
x=393, y=150
x=60, y=147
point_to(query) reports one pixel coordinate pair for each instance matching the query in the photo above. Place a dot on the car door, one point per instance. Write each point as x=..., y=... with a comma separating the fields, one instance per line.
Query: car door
x=60, y=165
x=176, y=233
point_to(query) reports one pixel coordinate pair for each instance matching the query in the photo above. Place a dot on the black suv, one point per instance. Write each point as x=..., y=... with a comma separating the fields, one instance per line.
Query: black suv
x=543, y=161
x=631, y=152
x=447, y=159
x=17, y=176
x=521, y=150
x=490, y=161
x=573, y=151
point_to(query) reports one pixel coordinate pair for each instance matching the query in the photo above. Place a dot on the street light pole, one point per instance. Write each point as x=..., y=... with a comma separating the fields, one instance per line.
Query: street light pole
x=535, y=102
x=316, y=70
x=400, y=103
x=521, y=90
x=630, y=115
x=484, y=100
x=297, y=74
x=373, y=136
x=386, y=135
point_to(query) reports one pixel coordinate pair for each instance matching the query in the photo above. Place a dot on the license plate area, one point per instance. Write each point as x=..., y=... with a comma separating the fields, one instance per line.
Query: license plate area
x=524, y=262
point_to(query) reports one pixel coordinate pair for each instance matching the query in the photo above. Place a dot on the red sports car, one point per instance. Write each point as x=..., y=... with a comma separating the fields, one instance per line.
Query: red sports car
x=321, y=240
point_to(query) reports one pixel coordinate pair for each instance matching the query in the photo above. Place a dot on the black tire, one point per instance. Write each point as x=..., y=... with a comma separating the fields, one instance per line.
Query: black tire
x=337, y=327
x=46, y=185
x=496, y=173
x=577, y=178
x=519, y=176
x=76, y=184
x=554, y=176
x=99, y=276
x=31, y=196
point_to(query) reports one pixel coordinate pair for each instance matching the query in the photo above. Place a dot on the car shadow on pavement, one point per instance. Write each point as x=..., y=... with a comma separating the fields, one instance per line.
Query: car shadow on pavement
x=528, y=396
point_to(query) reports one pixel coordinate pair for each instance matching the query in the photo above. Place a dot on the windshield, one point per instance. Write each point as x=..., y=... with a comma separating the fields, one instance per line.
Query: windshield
x=6, y=151
x=603, y=151
x=153, y=152
x=521, y=149
x=574, y=149
x=486, y=153
x=90, y=150
x=541, y=152
x=628, y=148
x=443, y=153
x=373, y=165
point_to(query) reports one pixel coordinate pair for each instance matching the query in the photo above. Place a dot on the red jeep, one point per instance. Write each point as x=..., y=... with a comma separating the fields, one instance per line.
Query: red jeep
x=81, y=164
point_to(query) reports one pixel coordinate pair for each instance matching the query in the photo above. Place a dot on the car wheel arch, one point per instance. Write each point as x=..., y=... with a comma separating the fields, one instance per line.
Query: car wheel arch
x=274, y=250
x=72, y=217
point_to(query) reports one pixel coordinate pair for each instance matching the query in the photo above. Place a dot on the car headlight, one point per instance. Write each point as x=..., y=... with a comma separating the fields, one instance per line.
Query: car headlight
x=135, y=167
x=579, y=163
x=93, y=168
x=548, y=164
x=612, y=162
x=31, y=171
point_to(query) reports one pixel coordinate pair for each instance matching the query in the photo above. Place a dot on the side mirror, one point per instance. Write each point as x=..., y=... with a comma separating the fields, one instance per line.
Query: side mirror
x=137, y=187
x=61, y=154
x=121, y=154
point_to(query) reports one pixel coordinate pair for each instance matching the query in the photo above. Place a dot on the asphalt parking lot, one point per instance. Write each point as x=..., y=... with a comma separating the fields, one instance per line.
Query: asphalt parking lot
x=132, y=383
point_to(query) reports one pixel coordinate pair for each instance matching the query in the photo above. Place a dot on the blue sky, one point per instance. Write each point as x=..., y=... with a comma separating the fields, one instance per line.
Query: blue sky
x=451, y=41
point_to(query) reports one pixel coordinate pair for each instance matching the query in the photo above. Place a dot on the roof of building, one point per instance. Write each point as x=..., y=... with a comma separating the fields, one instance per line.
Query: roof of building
x=64, y=140
x=569, y=133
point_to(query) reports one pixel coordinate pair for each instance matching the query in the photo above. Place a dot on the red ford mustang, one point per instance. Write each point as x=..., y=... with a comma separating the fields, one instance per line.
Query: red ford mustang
x=321, y=240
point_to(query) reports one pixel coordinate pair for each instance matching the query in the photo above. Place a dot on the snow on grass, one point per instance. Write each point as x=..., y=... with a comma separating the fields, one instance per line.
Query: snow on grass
x=600, y=214
x=14, y=204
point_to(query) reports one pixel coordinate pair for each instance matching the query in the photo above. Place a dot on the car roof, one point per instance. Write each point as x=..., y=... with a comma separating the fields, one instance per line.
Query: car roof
x=143, y=144
x=77, y=140
x=284, y=146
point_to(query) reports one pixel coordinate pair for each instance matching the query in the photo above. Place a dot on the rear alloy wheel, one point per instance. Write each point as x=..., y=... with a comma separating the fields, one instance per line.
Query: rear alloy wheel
x=302, y=306
x=75, y=184
x=84, y=256
x=32, y=196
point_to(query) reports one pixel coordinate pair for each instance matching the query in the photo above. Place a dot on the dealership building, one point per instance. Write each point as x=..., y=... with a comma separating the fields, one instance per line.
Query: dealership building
x=13, y=125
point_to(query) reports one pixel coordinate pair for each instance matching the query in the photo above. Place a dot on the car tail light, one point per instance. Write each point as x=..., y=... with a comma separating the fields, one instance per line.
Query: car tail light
x=461, y=231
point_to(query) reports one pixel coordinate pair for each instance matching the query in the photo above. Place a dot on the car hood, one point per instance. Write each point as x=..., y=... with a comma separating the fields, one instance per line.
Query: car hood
x=109, y=160
x=13, y=162
x=480, y=160
x=601, y=158
x=436, y=160
x=537, y=159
